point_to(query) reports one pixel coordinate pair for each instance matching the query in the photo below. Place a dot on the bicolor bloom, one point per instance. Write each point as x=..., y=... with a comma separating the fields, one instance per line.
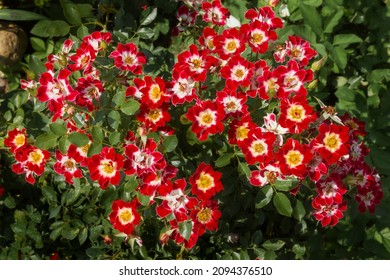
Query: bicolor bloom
x=205, y=182
x=296, y=114
x=258, y=35
x=297, y=49
x=176, y=202
x=206, y=117
x=237, y=72
x=264, y=15
x=16, y=139
x=233, y=102
x=331, y=142
x=328, y=214
x=182, y=88
x=105, y=167
x=229, y=43
x=258, y=146
x=206, y=216
x=214, y=12
x=293, y=158
x=153, y=118
x=124, y=216
x=67, y=167
x=128, y=58
x=330, y=190
x=153, y=93
x=263, y=176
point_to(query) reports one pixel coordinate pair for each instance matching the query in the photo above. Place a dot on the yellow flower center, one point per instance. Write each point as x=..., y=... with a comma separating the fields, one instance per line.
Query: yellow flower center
x=258, y=147
x=204, y=215
x=271, y=84
x=231, y=106
x=332, y=142
x=69, y=164
x=210, y=44
x=129, y=60
x=20, y=140
x=257, y=38
x=85, y=148
x=231, y=46
x=125, y=216
x=196, y=63
x=239, y=73
x=35, y=157
x=155, y=93
x=108, y=168
x=271, y=177
x=296, y=113
x=293, y=158
x=206, y=118
x=242, y=132
x=154, y=115
x=205, y=181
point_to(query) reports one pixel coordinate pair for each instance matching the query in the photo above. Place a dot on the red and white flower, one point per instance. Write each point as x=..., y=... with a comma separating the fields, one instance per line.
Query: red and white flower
x=258, y=35
x=297, y=49
x=293, y=158
x=176, y=202
x=205, y=182
x=206, y=117
x=296, y=114
x=267, y=175
x=265, y=15
x=331, y=142
x=128, y=58
x=105, y=167
x=153, y=93
x=328, y=214
x=214, y=12
x=239, y=130
x=182, y=88
x=208, y=38
x=153, y=118
x=237, y=72
x=67, y=167
x=233, y=102
x=330, y=190
x=258, y=147
x=124, y=216
x=206, y=216
x=16, y=139
x=229, y=43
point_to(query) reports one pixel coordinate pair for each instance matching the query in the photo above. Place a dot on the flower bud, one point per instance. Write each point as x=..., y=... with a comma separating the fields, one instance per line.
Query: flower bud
x=316, y=66
x=273, y=3
x=312, y=84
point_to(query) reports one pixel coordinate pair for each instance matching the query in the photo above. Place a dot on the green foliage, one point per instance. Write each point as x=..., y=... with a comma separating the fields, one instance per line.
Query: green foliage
x=351, y=36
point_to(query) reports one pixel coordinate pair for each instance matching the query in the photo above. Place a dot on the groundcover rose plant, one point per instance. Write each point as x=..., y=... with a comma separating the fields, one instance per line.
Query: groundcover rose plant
x=235, y=116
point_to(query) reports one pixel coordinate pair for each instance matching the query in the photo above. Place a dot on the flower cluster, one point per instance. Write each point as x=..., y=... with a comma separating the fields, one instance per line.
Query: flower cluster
x=293, y=141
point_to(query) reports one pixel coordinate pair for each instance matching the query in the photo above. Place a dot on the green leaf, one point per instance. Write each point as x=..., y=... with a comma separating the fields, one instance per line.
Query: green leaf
x=94, y=149
x=282, y=204
x=97, y=134
x=71, y=12
x=346, y=39
x=82, y=31
x=79, y=139
x=224, y=160
x=146, y=33
x=36, y=65
x=131, y=184
x=273, y=245
x=63, y=144
x=94, y=253
x=50, y=28
x=9, y=202
x=185, y=229
x=114, y=119
x=114, y=138
x=243, y=168
x=46, y=141
x=143, y=199
x=69, y=233
x=55, y=233
x=150, y=17
x=285, y=185
x=58, y=129
x=311, y=17
x=54, y=211
x=339, y=55
x=170, y=143
x=15, y=15
x=37, y=44
x=49, y=193
x=299, y=211
x=299, y=251
x=264, y=196
x=130, y=107
x=314, y=3
x=332, y=22
x=83, y=234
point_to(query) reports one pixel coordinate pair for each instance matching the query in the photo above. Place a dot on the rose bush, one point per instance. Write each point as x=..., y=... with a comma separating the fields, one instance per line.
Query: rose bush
x=213, y=149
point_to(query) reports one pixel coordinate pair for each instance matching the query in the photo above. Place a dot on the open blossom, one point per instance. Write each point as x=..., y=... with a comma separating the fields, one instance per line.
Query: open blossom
x=176, y=202
x=30, y=161
x=331, y=142
x=328, y=214
x=214, y=12
x=293, y=158
x=16, y=139
x=237, y=72
x=182, y=88
x=267, y=175
x=206, y=117
x=229, y=43
x=296, y=49
x=258, y=147
x=264, y=15
x=206, y=216
x=67, y=167
x=205, y=182
x=124, y=216
x=234, y=103
x=128, y=58
x=258, y=36
x=104, y=167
